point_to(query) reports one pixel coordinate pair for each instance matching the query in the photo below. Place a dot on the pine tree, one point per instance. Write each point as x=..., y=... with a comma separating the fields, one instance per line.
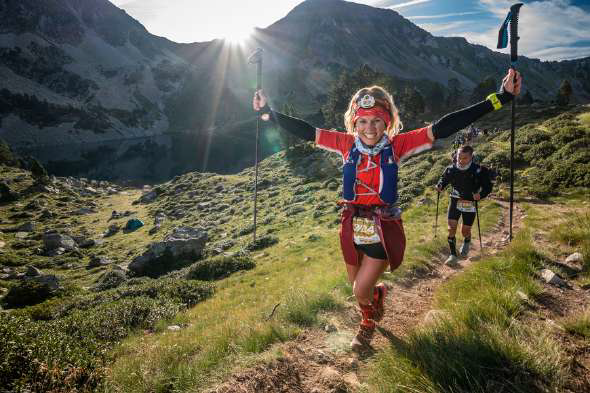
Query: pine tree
x=564, y=93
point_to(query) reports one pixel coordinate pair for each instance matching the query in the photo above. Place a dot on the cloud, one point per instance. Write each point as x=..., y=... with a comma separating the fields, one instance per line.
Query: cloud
x=548, y=29
x=561, y=53
x=407, y=4
x=445, y=28
x=442, y=15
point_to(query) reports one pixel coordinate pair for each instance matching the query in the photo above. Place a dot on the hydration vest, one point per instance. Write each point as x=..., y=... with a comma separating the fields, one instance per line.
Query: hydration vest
x=387, y=175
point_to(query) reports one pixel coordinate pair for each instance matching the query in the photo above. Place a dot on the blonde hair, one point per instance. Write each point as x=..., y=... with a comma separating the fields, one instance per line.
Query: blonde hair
x=383, y=99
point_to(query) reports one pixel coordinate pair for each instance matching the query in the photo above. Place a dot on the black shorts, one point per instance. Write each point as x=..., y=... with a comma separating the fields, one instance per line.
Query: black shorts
x=374, y=250
x=454, y=213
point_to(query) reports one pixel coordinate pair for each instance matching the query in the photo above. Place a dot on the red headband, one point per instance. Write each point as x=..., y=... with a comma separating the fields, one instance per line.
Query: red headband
x=378, y=111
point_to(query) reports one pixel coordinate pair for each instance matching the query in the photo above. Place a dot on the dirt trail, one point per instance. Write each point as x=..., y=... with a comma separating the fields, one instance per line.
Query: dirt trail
x=319, y=361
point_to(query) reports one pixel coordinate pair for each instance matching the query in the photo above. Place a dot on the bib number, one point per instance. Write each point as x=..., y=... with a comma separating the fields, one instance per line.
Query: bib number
x=364, y=231
x=466, y=206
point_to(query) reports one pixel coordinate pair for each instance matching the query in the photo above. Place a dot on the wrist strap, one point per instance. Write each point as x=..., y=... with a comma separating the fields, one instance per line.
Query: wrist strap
x=493, y=98
x=265, y=110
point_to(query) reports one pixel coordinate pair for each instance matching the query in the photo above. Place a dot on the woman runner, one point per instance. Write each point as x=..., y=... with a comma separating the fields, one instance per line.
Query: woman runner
x=371, y=231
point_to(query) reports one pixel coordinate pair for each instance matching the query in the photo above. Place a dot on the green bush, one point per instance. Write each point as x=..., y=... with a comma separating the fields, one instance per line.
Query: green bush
x=497, y=159
x=262, y=242
x=109, y=280
x=530, y=136
x=26, y=293
x=567, y=134
x=69, y=351
x=41, y=356
x=111, y=322
x=577, y=151
x=219, y=267
x=539, y=152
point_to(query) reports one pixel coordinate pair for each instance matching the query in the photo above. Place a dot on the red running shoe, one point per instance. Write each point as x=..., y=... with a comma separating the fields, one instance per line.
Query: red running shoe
x=363, y=338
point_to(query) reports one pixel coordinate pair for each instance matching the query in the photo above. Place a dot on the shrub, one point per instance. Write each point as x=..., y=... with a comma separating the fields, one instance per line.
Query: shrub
x=219, y=267
x=530, y=136
x=110, y=279
x=497, y=159
x=568, y=133
x=111, y=322
x=539, y=151
x=26, y=293
x=262, y=242
x=40, y=356
x=246, y=230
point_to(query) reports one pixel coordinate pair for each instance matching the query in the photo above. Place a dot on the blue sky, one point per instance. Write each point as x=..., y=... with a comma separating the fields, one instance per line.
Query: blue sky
x=549, y=29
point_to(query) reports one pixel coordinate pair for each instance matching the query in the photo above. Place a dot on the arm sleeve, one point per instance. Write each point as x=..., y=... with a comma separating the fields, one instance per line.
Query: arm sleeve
x=485, y=181
x=292, y=125
x=444, y=180
x=455, y=121
x=412, y=142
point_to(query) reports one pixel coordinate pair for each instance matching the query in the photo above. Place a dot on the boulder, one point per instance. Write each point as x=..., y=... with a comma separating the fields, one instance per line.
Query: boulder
x=112, y=229
x=576, y=257
x=26, y=227
x=183, y=243
x=83, y=211
x=148, y=197
x=98, y=261
x=48, y=280
x=32, y=271
x=552, y=278
x=52, y=240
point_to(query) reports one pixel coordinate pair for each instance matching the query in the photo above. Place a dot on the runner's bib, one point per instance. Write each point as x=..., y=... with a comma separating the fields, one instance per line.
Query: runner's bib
x=466, y=206
x=364, y=231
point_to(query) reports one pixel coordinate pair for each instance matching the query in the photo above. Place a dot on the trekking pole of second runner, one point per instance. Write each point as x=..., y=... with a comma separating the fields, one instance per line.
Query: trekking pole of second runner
x=436, y=218
x=478, y=227
x=511, y=19
x=256, y=57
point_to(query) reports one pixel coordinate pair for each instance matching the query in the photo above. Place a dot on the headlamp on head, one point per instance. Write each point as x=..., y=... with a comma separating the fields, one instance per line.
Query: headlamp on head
x=367, y=101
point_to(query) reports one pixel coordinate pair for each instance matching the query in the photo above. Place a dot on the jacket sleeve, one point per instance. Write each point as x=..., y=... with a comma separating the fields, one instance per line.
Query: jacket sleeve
x=485, y=182
x=455, y=121
x=292, y=125
x=445, y=179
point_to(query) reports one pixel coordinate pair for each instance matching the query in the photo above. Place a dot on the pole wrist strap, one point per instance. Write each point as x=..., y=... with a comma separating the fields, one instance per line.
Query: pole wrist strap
x=493, y=98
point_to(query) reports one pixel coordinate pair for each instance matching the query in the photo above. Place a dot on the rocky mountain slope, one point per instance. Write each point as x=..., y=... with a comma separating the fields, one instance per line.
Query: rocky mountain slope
x=77, y=72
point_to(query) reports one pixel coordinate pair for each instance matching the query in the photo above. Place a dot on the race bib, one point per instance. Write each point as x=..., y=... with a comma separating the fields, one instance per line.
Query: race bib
x=364, y=231
x=466, y=206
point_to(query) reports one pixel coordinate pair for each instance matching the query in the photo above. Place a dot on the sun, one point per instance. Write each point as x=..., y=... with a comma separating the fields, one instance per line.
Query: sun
x=237, y=34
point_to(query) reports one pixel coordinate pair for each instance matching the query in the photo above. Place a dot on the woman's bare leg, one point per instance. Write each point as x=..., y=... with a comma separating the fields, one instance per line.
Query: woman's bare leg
x=366, y=278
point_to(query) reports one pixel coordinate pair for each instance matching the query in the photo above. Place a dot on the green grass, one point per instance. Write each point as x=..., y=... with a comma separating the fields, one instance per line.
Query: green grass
x=299, y=274
x=578, y=325
x=482, y=341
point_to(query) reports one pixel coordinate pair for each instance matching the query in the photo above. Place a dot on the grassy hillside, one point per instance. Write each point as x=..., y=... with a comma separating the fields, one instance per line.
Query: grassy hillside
x=103, y=327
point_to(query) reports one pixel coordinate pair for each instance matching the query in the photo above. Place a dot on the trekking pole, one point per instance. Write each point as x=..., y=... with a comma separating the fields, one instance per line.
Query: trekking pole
x=436, y=218
x=256, y=58
x=478, y=227
x=511, y=19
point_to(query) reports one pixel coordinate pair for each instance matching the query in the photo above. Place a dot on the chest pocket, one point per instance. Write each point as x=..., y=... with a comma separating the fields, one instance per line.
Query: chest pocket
x=389, y=173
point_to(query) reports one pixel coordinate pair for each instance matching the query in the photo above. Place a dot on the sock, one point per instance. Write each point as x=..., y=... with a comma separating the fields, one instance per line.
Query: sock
x=367, y=314
x=452, y=245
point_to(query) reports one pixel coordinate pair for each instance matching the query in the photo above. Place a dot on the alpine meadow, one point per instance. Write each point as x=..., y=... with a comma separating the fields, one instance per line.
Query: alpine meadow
x=339, y=202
